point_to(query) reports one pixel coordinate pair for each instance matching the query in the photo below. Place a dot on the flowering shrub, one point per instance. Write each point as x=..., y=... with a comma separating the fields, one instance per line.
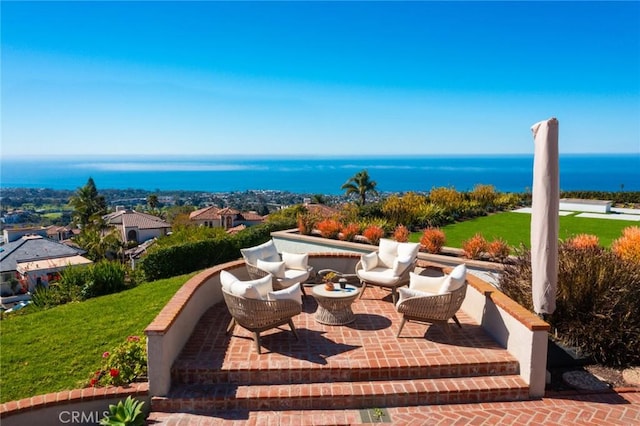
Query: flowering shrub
x=401, y=234
x=433, y=240
x=373, y=233
x=583, y=241
x=498, y=249
x=349, y=231
x=474, y=247
x=597, y=302
x=126, y=363
x=627, y=247
x=306, y=223
x=329, y=228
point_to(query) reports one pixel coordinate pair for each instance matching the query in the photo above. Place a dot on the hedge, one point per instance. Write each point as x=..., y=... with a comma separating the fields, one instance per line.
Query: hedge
x=184, y=258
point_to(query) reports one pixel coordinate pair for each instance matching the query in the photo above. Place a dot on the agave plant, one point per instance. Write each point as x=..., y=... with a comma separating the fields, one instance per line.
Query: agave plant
x=126, y=413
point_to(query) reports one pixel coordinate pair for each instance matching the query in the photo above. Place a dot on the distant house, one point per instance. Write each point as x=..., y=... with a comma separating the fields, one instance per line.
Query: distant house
x=136, y=226
x=13, y=234
x=35, y=260
x=226, y=218
x=321, y=210
x=60, y=233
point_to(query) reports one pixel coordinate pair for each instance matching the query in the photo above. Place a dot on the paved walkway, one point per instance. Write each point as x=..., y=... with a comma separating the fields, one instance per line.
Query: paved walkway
x=562, y=409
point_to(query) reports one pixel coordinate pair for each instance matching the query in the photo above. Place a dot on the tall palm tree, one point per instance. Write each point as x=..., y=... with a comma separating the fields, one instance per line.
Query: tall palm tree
x=360, y=184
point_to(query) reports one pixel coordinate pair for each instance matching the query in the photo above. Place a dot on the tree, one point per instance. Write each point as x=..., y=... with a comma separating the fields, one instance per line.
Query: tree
x=88, y=205
x=360, y=184
x=319, y=199
x=152, y=201
x=100, y=242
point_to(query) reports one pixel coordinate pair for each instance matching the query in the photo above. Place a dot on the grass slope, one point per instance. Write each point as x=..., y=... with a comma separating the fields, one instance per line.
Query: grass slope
x=514, y=228
x=57, y=349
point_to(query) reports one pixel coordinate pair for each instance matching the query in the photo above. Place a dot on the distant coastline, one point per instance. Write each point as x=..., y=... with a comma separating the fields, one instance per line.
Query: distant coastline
x=317, y=174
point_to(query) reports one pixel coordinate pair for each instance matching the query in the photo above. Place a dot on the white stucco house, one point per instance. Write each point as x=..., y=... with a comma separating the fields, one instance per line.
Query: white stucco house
x=136, y=226
x=227, y=218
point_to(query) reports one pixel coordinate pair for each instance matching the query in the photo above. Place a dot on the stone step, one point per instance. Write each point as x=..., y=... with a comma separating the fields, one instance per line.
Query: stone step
x=276, y=376
x=212, y=398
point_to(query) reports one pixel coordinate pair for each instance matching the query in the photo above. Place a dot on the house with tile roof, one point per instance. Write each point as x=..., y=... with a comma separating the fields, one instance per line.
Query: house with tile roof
x=35, y=260
x=227, y=218
x=136, y=226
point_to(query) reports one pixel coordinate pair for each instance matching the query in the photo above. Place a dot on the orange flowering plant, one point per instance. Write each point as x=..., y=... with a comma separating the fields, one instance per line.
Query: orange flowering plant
x=125, y=364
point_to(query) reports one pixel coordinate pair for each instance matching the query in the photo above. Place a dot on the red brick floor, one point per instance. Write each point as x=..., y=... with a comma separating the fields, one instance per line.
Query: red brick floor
x=572, y=409
x=331, y=365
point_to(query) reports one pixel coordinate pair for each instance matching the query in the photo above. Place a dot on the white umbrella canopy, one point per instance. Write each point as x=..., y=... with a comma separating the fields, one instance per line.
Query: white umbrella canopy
x=545, y=207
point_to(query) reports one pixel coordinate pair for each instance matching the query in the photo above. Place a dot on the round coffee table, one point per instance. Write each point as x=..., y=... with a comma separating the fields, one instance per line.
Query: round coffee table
x=334, y=307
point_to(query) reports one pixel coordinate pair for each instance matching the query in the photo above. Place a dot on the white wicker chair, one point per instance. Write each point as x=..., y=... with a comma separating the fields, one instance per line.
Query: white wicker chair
x=433, y=300
x=267, y=252
x=258, y=315
x=434, y=309
x=390, y=268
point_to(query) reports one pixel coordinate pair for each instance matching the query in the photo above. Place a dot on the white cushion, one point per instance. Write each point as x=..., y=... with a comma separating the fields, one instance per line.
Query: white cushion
x=405, y=293
x=292, y=276
x=274, y=268
x=401, y=264
x=387, y=252
x=423, y=283
x=293, y=293
x=379, y=276
x=369, y=261
x=226, y=280
x=408, y=250
x=459, y=275
x=241, y=288
x=253, y=289
x=455, y=280
x=296, y=261
x=266, y=251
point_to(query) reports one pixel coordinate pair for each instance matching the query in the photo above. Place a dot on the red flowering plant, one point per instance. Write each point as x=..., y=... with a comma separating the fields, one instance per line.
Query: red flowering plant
x=126, y=363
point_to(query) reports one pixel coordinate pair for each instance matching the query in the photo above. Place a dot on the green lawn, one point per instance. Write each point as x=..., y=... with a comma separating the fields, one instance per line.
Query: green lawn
x=515, y=228
x=57, y=349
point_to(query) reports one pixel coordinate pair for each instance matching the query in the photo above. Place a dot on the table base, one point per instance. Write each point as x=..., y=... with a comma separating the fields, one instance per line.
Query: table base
x=334, y=317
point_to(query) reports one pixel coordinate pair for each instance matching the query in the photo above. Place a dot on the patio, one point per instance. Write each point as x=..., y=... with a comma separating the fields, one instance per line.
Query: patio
x=360, y=365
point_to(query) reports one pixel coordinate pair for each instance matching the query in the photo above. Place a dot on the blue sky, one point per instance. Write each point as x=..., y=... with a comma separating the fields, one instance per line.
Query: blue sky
x=337, y=78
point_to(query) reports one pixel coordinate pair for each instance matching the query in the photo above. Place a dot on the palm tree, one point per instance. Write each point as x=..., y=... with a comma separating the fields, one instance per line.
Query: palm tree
x=360, y=184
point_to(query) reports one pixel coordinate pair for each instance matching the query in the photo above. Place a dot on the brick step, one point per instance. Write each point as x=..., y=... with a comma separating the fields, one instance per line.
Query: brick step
x=276, y=376
x=211, y=398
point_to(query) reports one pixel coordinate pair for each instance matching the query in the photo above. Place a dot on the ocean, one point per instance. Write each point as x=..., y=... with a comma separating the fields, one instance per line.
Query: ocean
x=317, y=175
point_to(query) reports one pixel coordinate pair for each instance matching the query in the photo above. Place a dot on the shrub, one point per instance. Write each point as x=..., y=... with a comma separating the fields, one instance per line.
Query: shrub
x=189, y=257
x=306, y=223
x=628, y=246
x=106, y=278
x=597, y=303
x=474, y=247
x=401, y=234
x=433, y=240
x=329, y=228
x=431, y=216
x=583, y=241
x=405, y=209
x=125, y=364
x=498, y=250
x=348, y=232
x=373, y=233
x=446, y=197
x=485, y=196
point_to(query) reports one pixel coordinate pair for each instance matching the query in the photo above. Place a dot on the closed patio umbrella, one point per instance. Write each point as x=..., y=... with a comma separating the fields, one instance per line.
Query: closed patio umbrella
x=544, y=216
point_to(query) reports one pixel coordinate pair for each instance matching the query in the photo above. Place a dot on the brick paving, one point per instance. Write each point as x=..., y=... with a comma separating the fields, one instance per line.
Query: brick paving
x=562, y=410
x=339, y=374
